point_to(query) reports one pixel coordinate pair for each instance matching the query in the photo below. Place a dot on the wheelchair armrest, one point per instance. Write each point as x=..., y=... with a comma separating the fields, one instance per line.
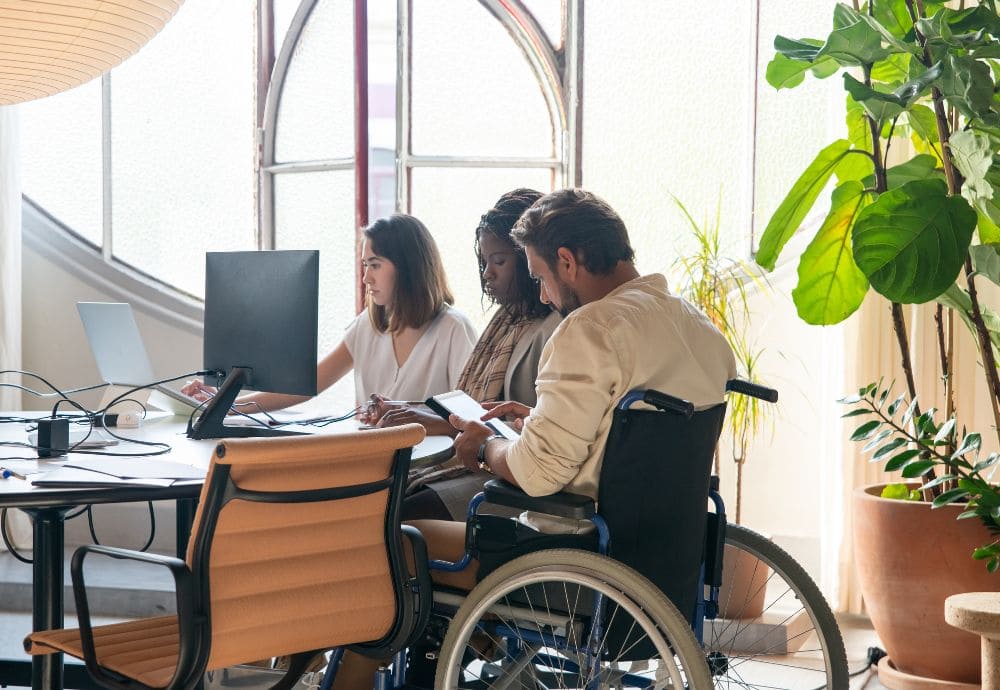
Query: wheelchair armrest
x=189, y=620
x=562, y=504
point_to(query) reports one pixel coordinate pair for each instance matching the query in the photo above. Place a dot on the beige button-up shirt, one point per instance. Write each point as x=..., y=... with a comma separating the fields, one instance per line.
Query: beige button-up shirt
x=639, y=336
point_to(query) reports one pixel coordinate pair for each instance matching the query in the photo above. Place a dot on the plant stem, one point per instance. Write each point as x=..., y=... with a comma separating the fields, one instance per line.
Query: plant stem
x=955, y=180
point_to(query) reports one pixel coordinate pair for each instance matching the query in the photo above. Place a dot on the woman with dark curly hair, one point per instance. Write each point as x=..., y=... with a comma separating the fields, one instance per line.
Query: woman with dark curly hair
x=502, y=366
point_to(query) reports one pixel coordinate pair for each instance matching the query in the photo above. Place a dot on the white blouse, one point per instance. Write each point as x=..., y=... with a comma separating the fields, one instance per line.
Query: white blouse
x=433, y=366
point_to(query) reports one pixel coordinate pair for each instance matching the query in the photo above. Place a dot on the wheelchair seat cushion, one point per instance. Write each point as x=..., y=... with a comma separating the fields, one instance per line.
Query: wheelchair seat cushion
x=499, y=540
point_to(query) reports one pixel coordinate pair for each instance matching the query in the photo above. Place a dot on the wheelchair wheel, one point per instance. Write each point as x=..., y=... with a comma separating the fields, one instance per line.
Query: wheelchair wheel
x=531, y=625
x=793, y=642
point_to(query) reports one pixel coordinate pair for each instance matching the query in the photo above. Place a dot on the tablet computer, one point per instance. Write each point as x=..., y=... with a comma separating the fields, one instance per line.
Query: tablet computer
x=461, y=404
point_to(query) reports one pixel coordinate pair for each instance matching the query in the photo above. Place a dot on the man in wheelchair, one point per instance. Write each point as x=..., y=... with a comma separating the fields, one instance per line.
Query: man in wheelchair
x=621, y=332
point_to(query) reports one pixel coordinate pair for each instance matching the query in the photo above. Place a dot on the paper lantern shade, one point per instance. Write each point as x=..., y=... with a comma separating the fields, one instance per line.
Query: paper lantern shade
x=48, y=46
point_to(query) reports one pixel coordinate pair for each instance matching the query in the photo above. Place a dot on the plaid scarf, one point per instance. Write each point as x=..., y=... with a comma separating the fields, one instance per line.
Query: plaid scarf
x=484, y=373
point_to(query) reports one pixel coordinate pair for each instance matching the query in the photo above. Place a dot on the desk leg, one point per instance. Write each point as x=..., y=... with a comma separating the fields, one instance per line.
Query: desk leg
x=185, y=511
x=47, y=591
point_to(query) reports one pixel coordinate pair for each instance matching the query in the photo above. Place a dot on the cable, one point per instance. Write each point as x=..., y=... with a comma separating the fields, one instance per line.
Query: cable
x=39, y=394
x=7, y=541
x=152, y=526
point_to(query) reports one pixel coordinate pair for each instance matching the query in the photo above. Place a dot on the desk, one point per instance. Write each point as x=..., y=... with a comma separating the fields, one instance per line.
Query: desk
x=48, y=507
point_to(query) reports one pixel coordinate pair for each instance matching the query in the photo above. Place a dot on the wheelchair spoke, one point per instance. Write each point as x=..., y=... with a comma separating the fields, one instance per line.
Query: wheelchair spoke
x=789, y=640
x=634, y=639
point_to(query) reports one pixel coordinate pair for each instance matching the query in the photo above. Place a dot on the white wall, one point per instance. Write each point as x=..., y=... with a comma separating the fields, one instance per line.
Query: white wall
x=54, y=346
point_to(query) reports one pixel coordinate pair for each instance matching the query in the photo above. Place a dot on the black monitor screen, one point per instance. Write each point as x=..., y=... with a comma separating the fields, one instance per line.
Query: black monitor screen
x=261, y=312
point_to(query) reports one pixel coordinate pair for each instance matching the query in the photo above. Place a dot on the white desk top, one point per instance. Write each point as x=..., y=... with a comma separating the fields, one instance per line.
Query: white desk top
x=158, y=427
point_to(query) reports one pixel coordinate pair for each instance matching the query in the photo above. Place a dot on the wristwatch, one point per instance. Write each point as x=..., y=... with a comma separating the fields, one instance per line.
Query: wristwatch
x=481, y=455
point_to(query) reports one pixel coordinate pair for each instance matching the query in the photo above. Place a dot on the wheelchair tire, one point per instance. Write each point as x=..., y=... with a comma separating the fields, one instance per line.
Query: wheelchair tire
x=794, y=642
x=501, y=637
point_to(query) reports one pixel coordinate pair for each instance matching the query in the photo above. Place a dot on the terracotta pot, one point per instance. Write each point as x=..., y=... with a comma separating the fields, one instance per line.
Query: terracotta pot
x=910, y=558
x=744, y=584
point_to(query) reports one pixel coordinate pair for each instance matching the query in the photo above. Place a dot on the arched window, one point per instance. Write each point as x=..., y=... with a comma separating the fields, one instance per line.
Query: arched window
x=195, y=144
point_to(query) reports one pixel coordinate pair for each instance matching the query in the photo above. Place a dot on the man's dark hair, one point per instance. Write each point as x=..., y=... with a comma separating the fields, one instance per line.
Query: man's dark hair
x=580, y=221
x=421, y=288
x=498, y=222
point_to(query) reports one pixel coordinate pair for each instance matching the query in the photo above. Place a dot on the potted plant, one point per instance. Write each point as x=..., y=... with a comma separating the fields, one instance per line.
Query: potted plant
x=919, y=76
x=718, y=285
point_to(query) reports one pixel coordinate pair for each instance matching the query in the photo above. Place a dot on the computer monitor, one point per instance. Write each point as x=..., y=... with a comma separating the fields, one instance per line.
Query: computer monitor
x=261, y=312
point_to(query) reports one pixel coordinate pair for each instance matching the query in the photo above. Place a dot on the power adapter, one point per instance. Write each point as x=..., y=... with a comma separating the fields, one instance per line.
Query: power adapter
x=53, y=436
x=125, y=420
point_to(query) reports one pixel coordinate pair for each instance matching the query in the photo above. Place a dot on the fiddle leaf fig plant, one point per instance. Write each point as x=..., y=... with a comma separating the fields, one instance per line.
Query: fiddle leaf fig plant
x=921, y=78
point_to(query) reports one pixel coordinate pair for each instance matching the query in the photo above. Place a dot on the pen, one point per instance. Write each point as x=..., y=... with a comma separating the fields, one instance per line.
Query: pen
x=7, y=474
x=402, y=402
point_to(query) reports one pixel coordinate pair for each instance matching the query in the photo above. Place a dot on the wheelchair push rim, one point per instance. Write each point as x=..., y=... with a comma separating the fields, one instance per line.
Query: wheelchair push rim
x=497, y=640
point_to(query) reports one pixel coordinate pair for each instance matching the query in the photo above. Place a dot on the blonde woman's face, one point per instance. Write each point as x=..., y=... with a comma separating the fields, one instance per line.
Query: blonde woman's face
x=378, y=275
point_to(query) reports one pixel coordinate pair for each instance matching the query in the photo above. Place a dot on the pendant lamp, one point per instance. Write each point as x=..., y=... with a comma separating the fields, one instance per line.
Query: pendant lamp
x=48, y=46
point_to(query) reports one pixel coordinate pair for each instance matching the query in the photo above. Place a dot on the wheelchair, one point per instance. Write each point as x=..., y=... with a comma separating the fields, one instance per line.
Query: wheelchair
x=634, y=605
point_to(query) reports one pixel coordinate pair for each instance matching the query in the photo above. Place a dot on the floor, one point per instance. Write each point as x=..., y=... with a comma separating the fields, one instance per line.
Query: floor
x=120, y=598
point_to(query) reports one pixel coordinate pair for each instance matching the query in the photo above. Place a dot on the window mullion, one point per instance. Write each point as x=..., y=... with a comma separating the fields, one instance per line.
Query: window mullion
x=107, y=246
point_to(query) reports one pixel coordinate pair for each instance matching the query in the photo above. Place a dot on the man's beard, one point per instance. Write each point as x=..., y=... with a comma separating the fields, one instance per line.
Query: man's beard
x=569, y=300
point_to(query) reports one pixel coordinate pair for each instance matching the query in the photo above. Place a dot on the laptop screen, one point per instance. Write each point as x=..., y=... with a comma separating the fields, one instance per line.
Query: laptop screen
x=116, y=343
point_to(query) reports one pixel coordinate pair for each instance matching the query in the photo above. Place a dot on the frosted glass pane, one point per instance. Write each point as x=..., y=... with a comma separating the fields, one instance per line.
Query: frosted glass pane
x=284, y=11
x=549, y=15
x=811, y=115
x=652, y=130
x=473, y=91
x=183, y=144
x=61, y=157
x=316, y=211
x=454, y=224
x=316, y=113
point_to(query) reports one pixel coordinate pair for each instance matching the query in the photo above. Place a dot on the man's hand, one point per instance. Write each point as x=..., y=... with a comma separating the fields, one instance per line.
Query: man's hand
x=514, y=410
x=471, y=434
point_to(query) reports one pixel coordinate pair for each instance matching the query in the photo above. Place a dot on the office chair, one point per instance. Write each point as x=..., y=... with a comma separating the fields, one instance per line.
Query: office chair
x=296, y=549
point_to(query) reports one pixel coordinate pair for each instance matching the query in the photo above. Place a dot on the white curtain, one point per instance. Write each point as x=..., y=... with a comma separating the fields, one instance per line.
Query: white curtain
x=19, y=528
x=10, y=254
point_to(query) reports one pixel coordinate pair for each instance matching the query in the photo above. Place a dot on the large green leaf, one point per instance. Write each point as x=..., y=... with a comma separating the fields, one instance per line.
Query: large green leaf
x=859, y=133
x=923, y=122
x=959, y=301
x=831, y=287
x=986, y=261
x=785, y=73
x=895, y=68
x=799, y=200
x=967, y=85
x=858, y=39
x=920, y=167
x=957, y=27
x=973, y=156
x=912, y=241
x=894, y=16
x=883, y=106
x=805, y=49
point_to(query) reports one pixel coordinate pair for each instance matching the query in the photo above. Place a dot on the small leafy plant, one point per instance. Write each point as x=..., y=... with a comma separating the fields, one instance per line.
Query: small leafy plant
x=913, y=443
x=717, y=284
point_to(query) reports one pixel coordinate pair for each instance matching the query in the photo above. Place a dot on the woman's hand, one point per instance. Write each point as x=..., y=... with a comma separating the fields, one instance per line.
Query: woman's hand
x=199, y=391
x=509, y=409
x=377, y=408
x=435, y=425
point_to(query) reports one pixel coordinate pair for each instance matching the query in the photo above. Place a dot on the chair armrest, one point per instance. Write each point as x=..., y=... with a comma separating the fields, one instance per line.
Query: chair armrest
x=191, y=623
x=421, y=580
x=562, y=504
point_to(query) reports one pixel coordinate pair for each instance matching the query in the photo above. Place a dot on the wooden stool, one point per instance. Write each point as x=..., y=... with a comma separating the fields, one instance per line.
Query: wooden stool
x=979, y=613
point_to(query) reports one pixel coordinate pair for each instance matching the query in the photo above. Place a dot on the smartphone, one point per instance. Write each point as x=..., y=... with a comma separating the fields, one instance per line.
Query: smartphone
x=461, y=404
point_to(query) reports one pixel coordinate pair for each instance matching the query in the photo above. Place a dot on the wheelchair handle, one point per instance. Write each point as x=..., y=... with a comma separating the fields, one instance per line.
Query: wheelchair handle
x=752, y=389
x=659, y=400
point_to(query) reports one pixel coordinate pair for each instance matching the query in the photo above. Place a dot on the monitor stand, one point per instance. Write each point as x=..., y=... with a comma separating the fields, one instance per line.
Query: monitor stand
x=211, y=423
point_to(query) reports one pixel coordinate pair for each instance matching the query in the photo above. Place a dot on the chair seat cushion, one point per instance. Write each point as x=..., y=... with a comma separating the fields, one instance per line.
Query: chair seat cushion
x=144, y=650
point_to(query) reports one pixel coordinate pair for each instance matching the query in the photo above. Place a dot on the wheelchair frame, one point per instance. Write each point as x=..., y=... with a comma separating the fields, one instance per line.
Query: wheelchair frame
x=700, y=654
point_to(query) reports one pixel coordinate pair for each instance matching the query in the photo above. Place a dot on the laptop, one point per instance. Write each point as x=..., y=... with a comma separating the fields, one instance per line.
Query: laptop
x=121, y=357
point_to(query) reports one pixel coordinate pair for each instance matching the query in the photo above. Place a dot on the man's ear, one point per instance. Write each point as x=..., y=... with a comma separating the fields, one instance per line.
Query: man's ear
x=567, y=265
